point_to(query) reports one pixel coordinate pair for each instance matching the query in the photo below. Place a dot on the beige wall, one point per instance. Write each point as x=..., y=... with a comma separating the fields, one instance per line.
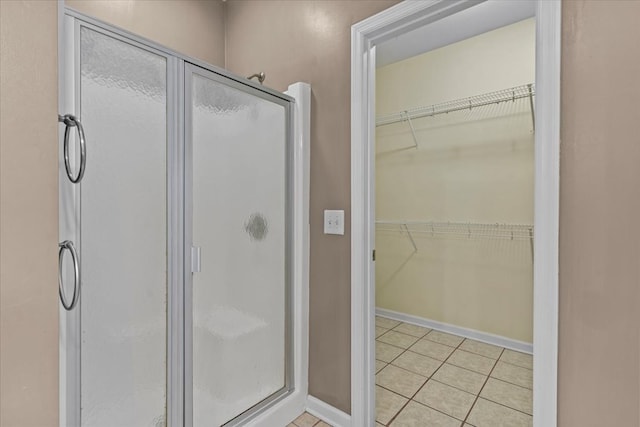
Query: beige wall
x=599, y=366
x=28, y=214
x=310, y=41
x=469, y=167
x=192, y=27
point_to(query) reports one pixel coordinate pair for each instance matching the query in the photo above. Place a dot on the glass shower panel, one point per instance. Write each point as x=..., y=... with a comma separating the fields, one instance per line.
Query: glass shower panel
x=123, y=96
x=239, y=143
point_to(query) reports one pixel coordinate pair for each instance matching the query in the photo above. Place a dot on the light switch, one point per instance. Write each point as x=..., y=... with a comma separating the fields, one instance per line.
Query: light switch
x=333, y=222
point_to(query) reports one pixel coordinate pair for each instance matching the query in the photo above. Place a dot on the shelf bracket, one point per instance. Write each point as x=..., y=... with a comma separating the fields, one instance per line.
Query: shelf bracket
x=413, y=242
x=413, y=131
x=533, y=113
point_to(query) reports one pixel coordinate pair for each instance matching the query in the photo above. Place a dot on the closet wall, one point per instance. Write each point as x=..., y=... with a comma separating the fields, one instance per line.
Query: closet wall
x=469, y=166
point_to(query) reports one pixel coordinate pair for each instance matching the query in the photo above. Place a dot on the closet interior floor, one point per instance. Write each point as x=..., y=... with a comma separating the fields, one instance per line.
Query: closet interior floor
x=430, y=378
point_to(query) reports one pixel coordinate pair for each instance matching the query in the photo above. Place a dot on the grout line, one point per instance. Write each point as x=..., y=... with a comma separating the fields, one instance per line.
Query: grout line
x=517, y=366
x=441, y=363
x=438, y=410
x=420, y=337
x=509, y=382
x=423, y=384
x=515, y=385
x=481, y=388
x=506, y=406
x=452, y=386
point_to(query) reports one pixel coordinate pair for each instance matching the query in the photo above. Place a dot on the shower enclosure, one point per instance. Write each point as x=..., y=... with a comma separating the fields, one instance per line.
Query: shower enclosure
x=183, y=230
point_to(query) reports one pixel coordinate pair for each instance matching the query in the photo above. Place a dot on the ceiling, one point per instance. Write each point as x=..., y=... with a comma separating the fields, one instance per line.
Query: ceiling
x=475, y=20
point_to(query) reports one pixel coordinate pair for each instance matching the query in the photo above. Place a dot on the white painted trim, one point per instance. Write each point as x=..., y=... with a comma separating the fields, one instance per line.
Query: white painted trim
x=327, y=413
x=397, y=20
x=473, y=334
x=546, y=215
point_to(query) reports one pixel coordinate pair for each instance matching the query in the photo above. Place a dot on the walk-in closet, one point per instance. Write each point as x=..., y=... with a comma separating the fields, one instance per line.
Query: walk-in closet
x=454, y=192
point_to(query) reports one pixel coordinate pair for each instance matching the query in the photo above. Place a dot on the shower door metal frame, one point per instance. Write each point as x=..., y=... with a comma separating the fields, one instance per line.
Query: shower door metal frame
x=179, y=399
x=191, y=69
x=74, y=22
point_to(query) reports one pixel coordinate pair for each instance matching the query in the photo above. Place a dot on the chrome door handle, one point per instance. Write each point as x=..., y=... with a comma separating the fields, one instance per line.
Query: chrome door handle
x=71, y=121
x=68, y=245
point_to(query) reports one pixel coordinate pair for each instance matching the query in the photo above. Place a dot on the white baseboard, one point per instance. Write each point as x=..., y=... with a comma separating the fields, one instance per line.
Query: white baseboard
x=327, y=413
x=485, y=337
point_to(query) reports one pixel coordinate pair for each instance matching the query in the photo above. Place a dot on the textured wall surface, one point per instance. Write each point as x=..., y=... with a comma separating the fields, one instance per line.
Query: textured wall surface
x=599, y=366
x=310, y=41
x=192, y=27
x=469, y=166
x=28, y=214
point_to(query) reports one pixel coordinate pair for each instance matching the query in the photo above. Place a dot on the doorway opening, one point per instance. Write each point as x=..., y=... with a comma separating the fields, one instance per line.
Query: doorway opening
x=454, y=123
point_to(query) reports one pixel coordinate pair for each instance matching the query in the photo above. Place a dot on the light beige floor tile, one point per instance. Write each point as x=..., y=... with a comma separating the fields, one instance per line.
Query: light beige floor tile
x=291, y=425
x=379, y=365
x=446, y=399
x=305, y=420
x=378, y=424
x=388, y=404
x=516, y=358
x=513, y=374
x=481, y=348
x=400, y=381
x=460, y=378
x=417, y=363
x=380, y=331
x=383, y=322
x=510, y=395
x=322, y=424
x=489, y=414
x=386, y=352
x=472, y=361
x=414, y=330
x=398, y=339
x=417, y=415
x=444, y=338
x=432, y=349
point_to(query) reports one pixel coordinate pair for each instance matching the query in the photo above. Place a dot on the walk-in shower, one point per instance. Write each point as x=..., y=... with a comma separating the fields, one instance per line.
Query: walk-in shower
x=183, y=207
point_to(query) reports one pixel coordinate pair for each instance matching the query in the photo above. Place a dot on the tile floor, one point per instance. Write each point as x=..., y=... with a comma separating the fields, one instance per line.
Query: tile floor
x=308, y=420
x=427, y=378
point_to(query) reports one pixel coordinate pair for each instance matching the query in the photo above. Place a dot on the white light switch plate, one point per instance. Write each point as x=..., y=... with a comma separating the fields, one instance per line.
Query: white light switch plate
x=334, y=222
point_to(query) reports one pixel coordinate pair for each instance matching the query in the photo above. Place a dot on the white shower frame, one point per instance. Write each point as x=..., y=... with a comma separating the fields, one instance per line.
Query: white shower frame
x=365, y=35
x=287, y=405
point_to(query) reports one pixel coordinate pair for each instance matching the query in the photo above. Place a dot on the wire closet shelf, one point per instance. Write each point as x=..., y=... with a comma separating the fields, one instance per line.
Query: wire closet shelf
x=465, y=230
x=490, y=98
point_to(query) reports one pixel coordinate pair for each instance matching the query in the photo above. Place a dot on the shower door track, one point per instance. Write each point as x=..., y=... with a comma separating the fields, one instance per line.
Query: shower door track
x=289, y=401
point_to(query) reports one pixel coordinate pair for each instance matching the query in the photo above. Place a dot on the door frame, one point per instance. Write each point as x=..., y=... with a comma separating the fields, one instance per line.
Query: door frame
x=365, y=35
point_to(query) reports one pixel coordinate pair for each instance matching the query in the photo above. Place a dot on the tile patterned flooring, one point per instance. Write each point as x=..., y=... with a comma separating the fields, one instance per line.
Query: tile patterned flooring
x=308, y=420
x=427, y=378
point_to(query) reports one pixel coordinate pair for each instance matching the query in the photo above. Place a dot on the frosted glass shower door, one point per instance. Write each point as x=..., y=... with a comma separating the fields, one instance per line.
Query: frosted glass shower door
x=238, y=137
x=123, y=205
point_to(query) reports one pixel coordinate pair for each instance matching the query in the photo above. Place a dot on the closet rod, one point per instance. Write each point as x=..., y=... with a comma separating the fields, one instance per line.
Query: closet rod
x=497, y=97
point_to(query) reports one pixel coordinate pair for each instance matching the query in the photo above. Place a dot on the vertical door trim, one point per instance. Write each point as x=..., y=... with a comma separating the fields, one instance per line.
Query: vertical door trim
x=187, y=114
x=175, y=246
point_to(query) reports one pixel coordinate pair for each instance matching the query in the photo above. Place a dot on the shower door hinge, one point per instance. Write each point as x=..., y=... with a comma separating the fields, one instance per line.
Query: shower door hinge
x=373, y=255
x=195, y=259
